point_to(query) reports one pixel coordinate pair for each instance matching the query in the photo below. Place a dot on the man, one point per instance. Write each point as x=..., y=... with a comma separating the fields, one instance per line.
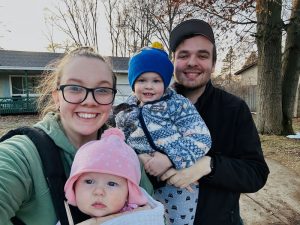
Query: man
x=235, y=163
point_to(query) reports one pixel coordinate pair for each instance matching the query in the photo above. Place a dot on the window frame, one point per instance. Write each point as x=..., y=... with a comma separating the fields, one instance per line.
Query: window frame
x=23, y=94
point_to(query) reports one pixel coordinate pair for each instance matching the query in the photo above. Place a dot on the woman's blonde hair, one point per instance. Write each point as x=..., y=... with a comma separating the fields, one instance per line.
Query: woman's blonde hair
x=52, y=76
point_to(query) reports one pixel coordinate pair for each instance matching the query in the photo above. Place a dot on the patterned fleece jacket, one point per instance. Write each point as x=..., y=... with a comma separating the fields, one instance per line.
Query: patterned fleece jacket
x=170, y=125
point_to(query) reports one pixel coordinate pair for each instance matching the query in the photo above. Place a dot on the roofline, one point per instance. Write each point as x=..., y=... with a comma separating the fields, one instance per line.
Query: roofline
x=120, y=71
x=23, y=68
x=42, y=68
x=245, y=68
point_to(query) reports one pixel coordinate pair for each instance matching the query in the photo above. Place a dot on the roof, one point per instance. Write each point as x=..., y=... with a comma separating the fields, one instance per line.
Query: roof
x=245, y=68
x=37, y=61
x=119, y=64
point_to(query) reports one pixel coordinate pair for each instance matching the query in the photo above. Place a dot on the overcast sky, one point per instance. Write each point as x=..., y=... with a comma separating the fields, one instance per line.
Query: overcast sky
x=22, y=26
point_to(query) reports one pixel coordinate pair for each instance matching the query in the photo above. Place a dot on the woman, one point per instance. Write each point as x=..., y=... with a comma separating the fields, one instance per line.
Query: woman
x=77, y=99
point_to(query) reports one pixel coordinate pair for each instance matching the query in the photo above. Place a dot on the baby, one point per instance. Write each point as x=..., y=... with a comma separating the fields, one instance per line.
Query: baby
x=104, y=183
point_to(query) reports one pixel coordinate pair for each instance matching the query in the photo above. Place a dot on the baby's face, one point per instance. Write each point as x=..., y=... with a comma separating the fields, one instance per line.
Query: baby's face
x=149, y=87
x=100, y=194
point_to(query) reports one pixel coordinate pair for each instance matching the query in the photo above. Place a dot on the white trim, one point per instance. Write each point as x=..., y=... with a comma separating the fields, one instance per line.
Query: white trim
x=23, y=95
x=10, y=85
x=23, y=68
x=43, y=68
x=120, y=71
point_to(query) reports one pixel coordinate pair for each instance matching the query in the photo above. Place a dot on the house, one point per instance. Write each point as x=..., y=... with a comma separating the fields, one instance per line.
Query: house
x=249, y=83
x=20, y=72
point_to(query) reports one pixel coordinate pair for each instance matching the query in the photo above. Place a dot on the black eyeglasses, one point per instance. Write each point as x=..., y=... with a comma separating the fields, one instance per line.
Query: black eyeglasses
x=76, y=94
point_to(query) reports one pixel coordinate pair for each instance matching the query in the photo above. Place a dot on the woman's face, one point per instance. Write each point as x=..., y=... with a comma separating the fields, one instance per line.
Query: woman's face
x=81, y=121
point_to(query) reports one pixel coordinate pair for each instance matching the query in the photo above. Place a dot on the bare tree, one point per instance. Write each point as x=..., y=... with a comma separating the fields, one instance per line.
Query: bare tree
x=124, y=45
x=234, y=23
x=135, y=23
x=280, y=89
x=130, y=26
x=291, y=68
x=269, y=37
x=112, y=11
x=52, y=46
x=167, y=14
x=263, y=24
x=138, y=23
x=78, y=20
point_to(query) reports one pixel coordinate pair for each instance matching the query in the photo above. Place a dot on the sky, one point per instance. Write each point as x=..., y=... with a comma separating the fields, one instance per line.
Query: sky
x=22, y=26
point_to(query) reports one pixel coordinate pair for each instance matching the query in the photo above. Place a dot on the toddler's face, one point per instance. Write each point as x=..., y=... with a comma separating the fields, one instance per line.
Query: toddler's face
x=149, y=87
x=100, y=194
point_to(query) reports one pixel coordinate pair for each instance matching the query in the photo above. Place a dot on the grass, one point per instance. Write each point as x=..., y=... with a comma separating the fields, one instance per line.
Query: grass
x=283, y=149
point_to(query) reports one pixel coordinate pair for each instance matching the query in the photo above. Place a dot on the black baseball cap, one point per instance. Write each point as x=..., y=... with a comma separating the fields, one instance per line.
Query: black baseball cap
x=190, y=28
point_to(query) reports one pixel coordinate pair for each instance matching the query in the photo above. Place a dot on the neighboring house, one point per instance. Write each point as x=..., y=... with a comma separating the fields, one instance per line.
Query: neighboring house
x=120, y=68
x=249, y=84
x=248, y=75
x=20, y=72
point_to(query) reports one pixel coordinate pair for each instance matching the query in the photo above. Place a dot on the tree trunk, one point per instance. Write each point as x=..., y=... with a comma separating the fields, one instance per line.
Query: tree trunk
x=298, y=105
x=291, y=61
x=268, y=39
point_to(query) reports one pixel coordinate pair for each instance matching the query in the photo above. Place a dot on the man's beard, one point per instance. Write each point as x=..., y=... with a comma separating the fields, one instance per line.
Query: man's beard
x=181, y=89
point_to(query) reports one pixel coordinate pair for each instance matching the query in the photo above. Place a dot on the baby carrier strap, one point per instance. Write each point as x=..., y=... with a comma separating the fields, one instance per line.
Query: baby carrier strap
x=53, y=171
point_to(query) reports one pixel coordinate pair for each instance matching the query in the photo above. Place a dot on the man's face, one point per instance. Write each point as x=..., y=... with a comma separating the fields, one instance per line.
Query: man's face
x=193, y=62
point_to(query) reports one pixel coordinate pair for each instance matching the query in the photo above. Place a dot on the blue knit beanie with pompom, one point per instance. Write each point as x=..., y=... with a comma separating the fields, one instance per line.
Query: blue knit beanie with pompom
x=150, y=59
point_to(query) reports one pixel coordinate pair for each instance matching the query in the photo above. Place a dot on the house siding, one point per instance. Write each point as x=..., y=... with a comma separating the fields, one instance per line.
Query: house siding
x=33, y=63
x=249, y=84
x=250, y=96
x=123, y=88
x=249, y=77
x=4, y=86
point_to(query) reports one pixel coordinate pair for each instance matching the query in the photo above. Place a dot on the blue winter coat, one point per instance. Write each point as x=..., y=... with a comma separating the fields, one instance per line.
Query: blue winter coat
x=170, y=125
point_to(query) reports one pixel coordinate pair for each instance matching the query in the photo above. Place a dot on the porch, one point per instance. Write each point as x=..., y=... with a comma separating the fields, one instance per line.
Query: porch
x=18, y=105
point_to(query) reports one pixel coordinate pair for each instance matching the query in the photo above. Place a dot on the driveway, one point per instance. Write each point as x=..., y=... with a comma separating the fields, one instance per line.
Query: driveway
x=278, y=202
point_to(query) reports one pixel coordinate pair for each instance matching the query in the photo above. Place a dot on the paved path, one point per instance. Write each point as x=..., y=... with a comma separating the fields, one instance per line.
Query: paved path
x=277, y=203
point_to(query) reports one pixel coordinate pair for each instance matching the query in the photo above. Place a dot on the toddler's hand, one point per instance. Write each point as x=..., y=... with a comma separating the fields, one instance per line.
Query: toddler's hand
x=144, y=158
x=158, y=164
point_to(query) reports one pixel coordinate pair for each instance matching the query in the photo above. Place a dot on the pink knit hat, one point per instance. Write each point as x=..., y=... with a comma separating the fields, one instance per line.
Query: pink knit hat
x=109, y=155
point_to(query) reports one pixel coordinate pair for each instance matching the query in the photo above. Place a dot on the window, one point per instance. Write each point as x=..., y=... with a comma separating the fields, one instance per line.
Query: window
x=18, y=85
